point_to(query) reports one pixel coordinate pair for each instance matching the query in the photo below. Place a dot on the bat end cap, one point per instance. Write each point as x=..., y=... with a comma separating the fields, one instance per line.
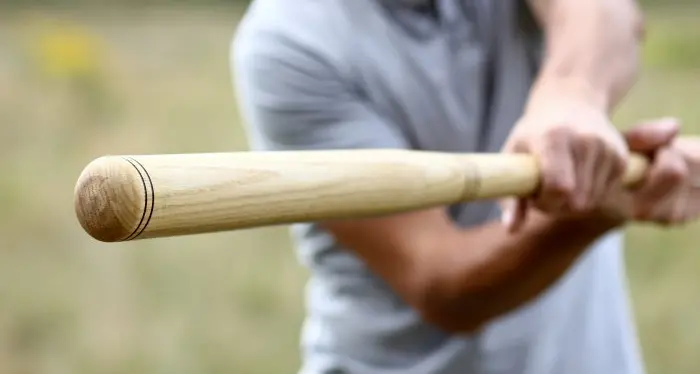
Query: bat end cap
x=109, y=199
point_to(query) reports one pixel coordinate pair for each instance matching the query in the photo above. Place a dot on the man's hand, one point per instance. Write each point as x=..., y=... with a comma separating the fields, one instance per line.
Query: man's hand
x=582, y=155
x=591, y=61
x=670, y=193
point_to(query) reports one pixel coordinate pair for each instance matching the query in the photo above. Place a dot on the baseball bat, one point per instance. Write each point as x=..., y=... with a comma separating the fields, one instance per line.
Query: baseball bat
x=123, y=198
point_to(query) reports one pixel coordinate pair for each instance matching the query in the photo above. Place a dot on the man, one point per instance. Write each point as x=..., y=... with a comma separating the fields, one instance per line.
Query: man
x=538, y=289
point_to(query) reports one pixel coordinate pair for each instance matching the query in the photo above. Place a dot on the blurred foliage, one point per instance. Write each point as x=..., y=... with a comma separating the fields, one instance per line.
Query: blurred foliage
x=68, y=51
x=71, y=54
x=667, y=3
x=673, y=46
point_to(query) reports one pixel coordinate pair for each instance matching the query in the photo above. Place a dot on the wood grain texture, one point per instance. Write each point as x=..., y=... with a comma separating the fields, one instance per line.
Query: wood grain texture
x=121, y=198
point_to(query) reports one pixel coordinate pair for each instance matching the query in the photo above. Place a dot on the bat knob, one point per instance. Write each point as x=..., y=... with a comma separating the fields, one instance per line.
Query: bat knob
x=112, y=198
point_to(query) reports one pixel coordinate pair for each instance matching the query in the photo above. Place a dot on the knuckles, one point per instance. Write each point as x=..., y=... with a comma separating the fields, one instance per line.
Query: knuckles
x=583, y=147
x=558, y=187
x=673, y=173
x=558, y=134
x=585, y=140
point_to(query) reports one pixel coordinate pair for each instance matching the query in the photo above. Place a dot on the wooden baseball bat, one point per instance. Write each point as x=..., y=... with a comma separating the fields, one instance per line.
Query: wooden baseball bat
x=122, y=198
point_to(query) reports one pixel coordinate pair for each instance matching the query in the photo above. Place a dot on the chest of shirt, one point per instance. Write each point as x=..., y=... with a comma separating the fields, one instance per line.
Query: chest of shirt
x=431, y=78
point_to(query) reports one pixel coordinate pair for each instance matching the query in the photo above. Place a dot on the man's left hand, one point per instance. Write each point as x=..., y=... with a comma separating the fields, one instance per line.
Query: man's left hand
x=670, y=192
x=677, y=201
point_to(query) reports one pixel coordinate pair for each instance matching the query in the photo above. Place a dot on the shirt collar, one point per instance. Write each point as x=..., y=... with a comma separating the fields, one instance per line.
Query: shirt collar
x=412, y=3
x=408, y=3
x=415, y=17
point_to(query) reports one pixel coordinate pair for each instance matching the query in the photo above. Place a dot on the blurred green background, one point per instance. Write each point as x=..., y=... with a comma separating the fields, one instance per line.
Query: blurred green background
x=80, y=79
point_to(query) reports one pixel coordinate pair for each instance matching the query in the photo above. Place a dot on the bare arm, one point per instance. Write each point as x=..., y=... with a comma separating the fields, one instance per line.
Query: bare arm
x=460, y=279
x=591, y=47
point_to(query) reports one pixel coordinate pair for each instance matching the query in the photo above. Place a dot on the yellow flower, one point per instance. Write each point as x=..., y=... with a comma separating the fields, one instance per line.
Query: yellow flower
x=68, y=51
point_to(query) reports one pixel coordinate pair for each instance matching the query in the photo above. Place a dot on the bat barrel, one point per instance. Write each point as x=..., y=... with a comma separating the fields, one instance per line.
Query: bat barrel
x=121, y=198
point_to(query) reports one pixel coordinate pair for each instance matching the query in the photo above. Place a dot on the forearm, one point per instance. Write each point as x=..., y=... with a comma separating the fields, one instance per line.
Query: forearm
x=457, y=278
x=591, y=48
x=483, y=273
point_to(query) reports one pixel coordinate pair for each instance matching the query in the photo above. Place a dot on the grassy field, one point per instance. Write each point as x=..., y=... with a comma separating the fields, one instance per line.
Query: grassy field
x=74, y=86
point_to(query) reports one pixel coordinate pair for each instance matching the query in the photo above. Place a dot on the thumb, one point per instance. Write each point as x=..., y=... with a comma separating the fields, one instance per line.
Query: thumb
x=649, y=136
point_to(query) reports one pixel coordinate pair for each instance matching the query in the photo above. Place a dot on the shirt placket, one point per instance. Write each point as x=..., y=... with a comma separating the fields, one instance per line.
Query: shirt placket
x=465, y=25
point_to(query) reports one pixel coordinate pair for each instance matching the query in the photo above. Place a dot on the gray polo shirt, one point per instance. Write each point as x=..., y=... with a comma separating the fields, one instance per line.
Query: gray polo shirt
x=333, y=74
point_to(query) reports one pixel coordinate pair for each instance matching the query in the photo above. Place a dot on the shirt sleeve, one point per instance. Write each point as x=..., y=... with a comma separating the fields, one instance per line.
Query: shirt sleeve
x=292, y=96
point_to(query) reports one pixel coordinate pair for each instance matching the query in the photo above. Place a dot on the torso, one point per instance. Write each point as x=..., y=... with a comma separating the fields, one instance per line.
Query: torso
x=428, y=76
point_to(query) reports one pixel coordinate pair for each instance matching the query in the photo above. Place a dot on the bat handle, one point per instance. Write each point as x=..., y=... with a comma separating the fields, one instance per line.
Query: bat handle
x=637, y=168
x=519, y=175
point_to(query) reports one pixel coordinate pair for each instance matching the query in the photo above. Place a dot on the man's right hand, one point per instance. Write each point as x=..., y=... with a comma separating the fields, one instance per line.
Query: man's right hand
x=581, y=154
